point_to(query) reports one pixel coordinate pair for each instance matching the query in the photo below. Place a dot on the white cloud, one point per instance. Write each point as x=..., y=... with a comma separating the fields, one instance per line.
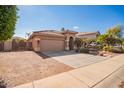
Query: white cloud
x=75, y=27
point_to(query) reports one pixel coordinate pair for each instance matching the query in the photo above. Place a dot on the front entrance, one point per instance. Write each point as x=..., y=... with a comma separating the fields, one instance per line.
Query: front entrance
x=71, y=43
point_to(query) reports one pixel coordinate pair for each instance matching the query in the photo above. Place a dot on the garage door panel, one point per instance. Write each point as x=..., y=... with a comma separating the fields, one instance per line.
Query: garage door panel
x=52, y=45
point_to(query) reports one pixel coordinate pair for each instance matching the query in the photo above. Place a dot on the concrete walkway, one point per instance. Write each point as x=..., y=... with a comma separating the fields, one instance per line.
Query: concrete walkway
x=104, y=74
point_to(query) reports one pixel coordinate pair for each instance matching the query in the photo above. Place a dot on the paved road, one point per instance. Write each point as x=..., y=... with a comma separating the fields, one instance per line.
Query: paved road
x=75, y=60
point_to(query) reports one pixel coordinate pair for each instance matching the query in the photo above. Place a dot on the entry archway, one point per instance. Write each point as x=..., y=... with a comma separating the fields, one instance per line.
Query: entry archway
x=71, y=43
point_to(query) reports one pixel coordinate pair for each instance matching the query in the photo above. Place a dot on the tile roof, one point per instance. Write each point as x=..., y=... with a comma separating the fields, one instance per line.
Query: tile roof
x=48, y=32
x=69, y=31
x=86, y=33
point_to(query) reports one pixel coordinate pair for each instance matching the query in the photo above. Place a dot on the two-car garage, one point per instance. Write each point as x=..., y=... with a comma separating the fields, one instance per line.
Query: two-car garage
x=48, y=41
x=52, y=45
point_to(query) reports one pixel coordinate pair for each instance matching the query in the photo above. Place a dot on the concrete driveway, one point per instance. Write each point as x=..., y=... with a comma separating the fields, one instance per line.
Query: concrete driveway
x=106, y=74
x=74, y=59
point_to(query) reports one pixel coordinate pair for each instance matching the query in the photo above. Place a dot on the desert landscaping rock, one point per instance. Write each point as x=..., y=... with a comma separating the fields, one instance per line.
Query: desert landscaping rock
x=23, y=67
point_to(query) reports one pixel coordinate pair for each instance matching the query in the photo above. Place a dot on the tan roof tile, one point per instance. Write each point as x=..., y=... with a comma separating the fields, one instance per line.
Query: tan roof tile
x=48, y=33
x=86, y=33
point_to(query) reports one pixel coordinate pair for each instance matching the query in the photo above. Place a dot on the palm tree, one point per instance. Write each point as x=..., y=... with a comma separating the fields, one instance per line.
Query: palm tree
x=111, y=37
x=27, y=35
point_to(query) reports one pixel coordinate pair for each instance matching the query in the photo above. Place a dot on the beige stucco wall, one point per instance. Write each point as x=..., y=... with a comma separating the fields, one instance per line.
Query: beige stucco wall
x=89, y=36
x=48, y=43
x=34, y=44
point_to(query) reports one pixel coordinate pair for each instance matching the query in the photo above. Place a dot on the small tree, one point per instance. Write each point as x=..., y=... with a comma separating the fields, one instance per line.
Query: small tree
x=115, y=31
x=102, y=39
x=115, y=35
x=111, y=38
x=62, y=29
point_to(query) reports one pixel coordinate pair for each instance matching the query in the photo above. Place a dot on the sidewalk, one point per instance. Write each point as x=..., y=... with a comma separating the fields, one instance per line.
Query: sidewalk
x=104, y=74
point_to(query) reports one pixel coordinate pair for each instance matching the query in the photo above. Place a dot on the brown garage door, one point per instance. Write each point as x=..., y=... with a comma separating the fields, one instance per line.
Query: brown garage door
x=52, y=45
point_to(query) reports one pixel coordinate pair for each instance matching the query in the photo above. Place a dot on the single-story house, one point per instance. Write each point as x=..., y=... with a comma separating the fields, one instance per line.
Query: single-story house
x=51, y=40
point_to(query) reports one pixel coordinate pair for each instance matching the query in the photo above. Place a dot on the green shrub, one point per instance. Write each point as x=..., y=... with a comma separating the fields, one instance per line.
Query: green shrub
x=113, y=49
x=84, y=50
x=3, y=84
x=107, y=48
x=117, y=50
x=122, y=50
x=99, y=47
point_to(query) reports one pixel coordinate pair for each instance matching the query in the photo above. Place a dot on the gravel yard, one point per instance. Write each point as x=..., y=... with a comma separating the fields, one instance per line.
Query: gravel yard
x=26, y=66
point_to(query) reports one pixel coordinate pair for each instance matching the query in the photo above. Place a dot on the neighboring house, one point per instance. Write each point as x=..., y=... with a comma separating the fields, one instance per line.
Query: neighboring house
x=88, y=35
x=51, y=40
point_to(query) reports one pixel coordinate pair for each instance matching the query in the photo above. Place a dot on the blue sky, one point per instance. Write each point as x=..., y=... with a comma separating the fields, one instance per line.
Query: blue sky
x=78, y=18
